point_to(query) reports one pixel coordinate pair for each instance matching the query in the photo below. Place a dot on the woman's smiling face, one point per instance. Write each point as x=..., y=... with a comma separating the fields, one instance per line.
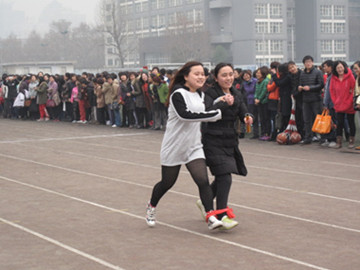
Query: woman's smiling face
x=225, y=77
x=196, y=78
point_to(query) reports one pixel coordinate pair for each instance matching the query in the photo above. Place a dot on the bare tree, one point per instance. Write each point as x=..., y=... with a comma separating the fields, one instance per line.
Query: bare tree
x=188, y=40
x=120, y=37
x=87, y=47
x=11, y=49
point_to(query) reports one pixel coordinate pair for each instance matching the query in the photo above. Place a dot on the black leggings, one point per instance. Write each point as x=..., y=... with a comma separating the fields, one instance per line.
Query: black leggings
x=197, y=169
x=221, y=189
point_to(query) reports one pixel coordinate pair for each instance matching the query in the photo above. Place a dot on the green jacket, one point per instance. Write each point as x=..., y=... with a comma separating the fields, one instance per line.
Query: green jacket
x=163, y=91
x=261, y=91
x=42, y=93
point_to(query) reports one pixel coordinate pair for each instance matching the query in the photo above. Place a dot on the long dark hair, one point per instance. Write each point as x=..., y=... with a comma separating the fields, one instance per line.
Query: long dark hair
x=179, y=77
x=283, y=69
x=336, y=63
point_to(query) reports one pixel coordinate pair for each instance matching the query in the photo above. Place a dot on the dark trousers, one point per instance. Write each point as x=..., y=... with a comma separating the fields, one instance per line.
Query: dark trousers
x=299, y=118
x=331, y=136
x=101, y=115
x=264, y=119
x=142, y=117
x=8, y=108
x=310, y=110
x=341, y=123
x=253, y=109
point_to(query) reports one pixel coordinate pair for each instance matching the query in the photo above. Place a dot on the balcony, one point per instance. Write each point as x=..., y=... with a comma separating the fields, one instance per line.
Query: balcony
x=220, y=4
x=223, y=37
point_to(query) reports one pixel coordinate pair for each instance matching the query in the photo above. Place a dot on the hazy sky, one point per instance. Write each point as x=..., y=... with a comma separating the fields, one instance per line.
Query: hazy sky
x=35, y=7
x=23, y=15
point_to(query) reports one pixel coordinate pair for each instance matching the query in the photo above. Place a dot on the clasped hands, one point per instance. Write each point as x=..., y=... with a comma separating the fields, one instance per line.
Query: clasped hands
x=228, y=98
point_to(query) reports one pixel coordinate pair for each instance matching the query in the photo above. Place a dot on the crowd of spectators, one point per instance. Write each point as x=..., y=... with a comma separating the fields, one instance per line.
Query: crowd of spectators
x=139, y=99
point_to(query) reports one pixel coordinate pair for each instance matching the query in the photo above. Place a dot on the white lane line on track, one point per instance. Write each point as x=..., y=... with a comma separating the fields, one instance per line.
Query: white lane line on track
x=187, y=195
x=298, y=191
x=157, y=153
x=62, y=245
x=186, y=172
x=305, y=174
x=74, y=138
x=249, y=166
x=284, y=258
x=302, y=159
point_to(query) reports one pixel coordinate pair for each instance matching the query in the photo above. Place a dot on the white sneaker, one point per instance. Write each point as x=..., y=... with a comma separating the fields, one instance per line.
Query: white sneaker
x=150, y=215
x=228, y=223
x=332, y=145
x=202, y=208
x=214, y=223
x=326, y=143
x=114, y=125
x=315, y=139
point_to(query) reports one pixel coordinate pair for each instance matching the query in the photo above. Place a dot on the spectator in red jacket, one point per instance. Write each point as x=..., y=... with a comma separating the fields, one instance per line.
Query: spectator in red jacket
x=342, y=87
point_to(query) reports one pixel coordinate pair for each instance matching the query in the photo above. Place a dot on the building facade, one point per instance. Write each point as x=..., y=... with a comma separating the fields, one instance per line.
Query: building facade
x=250, y=31
x=354, y=26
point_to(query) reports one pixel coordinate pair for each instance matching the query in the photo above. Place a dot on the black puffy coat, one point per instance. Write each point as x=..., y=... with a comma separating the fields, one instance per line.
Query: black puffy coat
x=314, y=79
x=284, y=84
x=220, y=138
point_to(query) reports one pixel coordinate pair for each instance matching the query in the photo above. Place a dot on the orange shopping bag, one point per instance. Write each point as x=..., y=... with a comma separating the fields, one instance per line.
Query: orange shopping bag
x=322, y=123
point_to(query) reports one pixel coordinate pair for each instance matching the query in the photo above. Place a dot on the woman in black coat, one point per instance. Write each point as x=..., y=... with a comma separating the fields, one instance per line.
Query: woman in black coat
x=284, y=84
x=220, y=138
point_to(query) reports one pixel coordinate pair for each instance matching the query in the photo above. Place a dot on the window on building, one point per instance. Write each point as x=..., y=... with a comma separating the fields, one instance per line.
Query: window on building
x=290, y=13
x=326, y=46
x=263, y=61
x=154, y=4
x=190, y=15
x=145, y=23
x=325, y=11
x=138, y=24
x=340, y=46
x=145, y=6
x=339, y=28
x=291, y=30
x=275, y=27
x=172, y=19
x=154, y=22
x=261, y=27
x=291, y=49
x=339, y=11
x=261, y=46
x=198, y=16
x=110, y=50
x=109, y=40
x=325, y=28
x=161, y=3
x=161, y=21
x=108, y=7
x=172, y=3
x=131, y=25
x=110, y=62
x=275, y=10
x=260, y=10
x=138, y=7
x=276, y=46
